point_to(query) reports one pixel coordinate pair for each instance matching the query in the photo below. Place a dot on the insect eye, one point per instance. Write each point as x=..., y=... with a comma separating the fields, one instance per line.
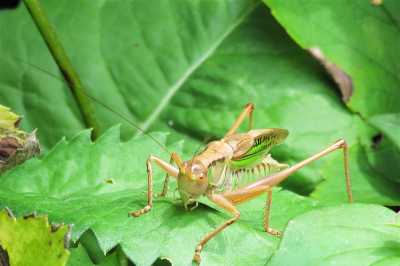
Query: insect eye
x=203, y=176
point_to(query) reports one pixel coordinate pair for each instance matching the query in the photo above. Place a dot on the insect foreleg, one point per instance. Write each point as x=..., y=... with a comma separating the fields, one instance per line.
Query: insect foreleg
x=227, y=205
x=248, y=111
x=168, y=168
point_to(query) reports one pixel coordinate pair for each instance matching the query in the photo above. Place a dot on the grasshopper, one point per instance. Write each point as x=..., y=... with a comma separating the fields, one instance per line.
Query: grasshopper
x=217, y=172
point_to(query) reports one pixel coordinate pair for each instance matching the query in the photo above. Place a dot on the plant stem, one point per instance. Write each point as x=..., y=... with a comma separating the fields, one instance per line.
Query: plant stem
x=64, y=64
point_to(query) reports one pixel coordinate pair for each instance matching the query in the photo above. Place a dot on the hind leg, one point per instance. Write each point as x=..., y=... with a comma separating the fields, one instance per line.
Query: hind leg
x=248, y=111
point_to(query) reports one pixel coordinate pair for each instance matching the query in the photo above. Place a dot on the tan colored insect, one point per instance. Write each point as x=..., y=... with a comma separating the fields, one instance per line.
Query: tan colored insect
x=218, y=172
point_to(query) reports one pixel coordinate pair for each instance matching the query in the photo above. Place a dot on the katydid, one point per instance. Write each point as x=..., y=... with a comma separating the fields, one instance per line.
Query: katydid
x=216, y=172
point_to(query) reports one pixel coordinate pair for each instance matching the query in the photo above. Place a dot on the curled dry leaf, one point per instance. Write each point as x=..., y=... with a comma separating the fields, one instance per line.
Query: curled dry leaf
x=339, y=76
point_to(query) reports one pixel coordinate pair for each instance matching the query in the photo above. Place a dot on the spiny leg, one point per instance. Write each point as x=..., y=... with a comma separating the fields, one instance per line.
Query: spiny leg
x=276, y=178
x=267, y=213
x=265, y=184
x=168, y=168
x=248, y=111
x=227, y=205
x=341, y=144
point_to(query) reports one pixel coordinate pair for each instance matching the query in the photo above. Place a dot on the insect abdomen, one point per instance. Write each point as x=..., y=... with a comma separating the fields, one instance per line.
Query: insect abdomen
x=227, y=178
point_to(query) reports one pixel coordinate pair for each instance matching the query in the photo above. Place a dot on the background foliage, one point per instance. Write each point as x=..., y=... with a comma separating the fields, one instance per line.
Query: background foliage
x=188, y=68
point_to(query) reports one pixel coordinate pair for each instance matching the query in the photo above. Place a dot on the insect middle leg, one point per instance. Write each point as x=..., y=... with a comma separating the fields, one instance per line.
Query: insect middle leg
x=168, y=168
x=248, y=111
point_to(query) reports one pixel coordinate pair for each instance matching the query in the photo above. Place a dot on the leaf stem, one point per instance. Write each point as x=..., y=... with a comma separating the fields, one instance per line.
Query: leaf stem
x=64, y=64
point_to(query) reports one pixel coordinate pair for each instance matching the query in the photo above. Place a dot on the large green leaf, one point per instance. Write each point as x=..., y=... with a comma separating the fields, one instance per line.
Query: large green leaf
x=119, y=48
x=72, y=184
x=362, y=41
x=360, y=38
x=344, y=235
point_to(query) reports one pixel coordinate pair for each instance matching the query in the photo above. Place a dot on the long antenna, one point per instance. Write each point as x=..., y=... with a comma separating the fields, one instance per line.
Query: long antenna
x=122, y=116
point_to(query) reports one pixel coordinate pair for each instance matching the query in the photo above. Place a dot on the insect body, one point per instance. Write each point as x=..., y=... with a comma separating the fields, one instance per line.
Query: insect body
x=229, y=171
x=230, y=163
x=233, y=170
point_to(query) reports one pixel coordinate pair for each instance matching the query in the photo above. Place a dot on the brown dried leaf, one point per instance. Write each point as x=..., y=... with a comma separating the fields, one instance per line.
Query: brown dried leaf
x=339, y=76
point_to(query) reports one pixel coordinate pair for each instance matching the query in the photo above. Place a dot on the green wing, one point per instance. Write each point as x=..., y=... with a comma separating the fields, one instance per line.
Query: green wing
x=264, y=140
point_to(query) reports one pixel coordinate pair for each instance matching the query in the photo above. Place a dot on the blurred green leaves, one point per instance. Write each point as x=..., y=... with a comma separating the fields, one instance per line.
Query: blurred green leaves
x=360, y=38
